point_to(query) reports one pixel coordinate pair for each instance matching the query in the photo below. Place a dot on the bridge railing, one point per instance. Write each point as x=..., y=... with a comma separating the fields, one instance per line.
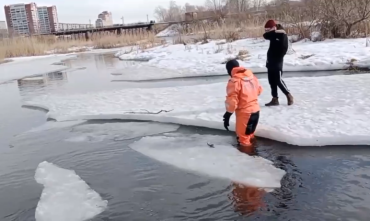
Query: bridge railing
x=103, y=27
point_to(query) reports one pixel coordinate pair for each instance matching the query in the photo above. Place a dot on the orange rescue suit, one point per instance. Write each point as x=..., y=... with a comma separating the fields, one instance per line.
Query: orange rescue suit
x=242, y=91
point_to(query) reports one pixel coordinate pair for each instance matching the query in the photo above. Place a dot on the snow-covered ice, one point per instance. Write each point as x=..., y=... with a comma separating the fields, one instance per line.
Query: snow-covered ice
x=331, y=110
x=65, y=196
x=209, y=59
x=170, y=31
x=223, y=161
x=118, y=131
x=30, y=66
x=141, y=71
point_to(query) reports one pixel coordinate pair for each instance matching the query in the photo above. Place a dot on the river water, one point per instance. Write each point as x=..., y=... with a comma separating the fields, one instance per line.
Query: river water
x=322, y=183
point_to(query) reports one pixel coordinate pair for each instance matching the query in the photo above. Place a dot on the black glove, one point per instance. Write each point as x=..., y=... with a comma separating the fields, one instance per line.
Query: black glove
x=227, y=116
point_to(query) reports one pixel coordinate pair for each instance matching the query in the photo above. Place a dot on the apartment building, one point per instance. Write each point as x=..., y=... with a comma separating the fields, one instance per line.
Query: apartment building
x=28, y=19
x=48, y=19
x=104, y=19
x=3, y=29
x=22, y=18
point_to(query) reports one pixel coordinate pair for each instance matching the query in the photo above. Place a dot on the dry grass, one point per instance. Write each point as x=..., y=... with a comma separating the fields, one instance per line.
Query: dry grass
x=42, y=45
x=236, y=28
x=230, y=30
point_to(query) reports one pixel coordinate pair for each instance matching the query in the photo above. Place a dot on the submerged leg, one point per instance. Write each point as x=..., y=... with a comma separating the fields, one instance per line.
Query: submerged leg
x=246, y=125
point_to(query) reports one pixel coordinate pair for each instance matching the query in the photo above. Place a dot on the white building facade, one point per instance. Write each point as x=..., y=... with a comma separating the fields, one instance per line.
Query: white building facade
x=44, y=21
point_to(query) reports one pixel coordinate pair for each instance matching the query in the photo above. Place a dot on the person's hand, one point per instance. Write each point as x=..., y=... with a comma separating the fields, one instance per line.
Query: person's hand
x=270, y=29
x=226, y=117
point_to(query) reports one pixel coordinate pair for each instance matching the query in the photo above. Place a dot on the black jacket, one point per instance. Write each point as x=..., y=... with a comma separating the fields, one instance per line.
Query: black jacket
x=278, y=48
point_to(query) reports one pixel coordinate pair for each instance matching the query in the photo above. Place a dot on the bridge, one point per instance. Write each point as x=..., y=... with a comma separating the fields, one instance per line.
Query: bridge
x=87, y=30
x=119, y=29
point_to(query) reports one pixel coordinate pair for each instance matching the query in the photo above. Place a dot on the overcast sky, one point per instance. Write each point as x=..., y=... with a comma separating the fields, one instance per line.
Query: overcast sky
x=81, y=11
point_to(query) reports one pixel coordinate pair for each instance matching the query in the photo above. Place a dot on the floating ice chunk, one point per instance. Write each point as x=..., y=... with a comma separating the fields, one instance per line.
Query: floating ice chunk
x=65, y=196
x=118, y=131
x=223, y=161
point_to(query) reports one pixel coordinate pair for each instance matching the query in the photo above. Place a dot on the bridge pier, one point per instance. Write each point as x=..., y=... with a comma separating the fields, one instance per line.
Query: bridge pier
x=87, y=36
x=119, y=31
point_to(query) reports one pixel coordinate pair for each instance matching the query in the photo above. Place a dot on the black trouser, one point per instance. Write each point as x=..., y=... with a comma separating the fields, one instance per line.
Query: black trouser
x=275, y=77
x=251, y=124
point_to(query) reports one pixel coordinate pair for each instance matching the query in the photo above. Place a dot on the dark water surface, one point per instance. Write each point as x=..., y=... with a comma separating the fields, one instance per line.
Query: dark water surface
x=322, y=183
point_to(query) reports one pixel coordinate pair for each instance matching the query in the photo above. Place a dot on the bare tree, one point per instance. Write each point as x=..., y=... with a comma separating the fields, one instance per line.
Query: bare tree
x=160, y=13
x=217, y=6
x=190, y=8
x=238, y=6
x=175, y=12
x=257, y=4
x=302, y=18
x=343, y=15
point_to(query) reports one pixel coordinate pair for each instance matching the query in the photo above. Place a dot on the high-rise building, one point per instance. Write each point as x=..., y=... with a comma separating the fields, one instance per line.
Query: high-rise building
x=22, y=18
x=48, y=19
x=3, y=25
x=28, y=19
x=3, y=29
x=104, y=19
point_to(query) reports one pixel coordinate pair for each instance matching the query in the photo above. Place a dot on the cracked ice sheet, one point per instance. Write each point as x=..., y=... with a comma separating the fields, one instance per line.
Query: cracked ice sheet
x=332, y=110
x=65, y=196
x=50, y=125
x=223, y=161
x=118, y=131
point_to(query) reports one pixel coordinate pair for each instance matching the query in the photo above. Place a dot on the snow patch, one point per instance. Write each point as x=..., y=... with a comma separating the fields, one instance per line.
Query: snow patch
x=209, y=59
x=65, y=196
x=223, y=161
x=170, y=31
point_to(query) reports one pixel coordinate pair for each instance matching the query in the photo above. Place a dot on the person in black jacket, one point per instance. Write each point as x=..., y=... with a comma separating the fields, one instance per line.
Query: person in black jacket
x=275, y=59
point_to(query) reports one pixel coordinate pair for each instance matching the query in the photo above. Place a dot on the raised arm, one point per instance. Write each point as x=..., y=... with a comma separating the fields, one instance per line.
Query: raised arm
x=269, y=35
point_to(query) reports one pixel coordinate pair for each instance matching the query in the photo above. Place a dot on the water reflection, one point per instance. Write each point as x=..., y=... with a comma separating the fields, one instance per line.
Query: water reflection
x=37, y=85
x=105, y=61
x=247, y=200
x=43, y=79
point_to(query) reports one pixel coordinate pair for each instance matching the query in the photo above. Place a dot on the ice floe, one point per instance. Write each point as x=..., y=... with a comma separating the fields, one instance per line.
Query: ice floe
x=223, y=161
x=331, y=110
x=65, y=196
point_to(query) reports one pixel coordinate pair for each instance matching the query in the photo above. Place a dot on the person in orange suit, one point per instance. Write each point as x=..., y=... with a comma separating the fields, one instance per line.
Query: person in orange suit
x=242, y=91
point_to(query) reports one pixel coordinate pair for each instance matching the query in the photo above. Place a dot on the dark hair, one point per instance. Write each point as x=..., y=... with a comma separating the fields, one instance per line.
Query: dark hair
x=279, y=27
x=230, y=65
